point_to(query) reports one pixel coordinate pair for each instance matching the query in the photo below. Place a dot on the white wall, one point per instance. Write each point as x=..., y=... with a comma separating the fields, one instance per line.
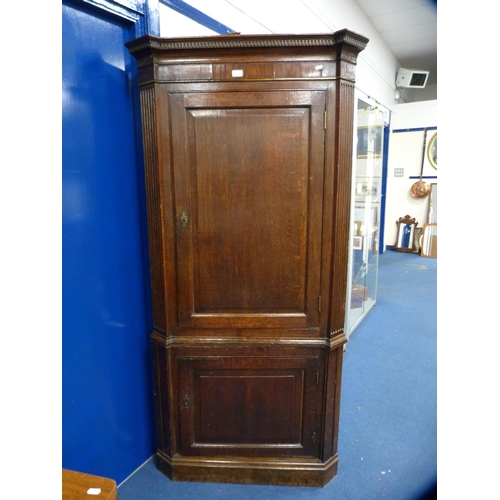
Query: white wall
x=429, y=93
x=405, y=151
x=173, y=24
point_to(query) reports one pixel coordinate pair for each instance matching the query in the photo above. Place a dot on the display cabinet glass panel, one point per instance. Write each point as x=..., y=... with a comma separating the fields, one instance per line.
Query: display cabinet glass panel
x=365, y=211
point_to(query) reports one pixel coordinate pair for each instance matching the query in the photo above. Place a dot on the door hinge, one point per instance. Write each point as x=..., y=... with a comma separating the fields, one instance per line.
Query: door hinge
x=319, y=303
x=324, y=121
x=314, y=437
x=317, y=377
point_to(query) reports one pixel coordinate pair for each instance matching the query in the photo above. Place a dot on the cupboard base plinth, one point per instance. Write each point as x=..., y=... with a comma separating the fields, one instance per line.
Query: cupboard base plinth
x=248, y=471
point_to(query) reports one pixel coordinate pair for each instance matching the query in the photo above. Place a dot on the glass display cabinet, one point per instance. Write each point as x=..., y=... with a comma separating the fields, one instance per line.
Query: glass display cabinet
x=365, y=211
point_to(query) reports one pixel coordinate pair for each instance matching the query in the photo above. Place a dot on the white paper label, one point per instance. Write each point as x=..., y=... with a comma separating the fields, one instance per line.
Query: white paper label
x=237, y=73
x=94, y=491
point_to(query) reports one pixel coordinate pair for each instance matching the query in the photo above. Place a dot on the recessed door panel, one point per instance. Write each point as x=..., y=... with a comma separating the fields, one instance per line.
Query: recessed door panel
x=247, y=407
x=251, y=405
x=248, y=190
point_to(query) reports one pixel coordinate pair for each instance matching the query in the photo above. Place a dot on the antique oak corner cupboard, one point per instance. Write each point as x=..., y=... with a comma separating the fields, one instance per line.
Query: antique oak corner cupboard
x=248, y=152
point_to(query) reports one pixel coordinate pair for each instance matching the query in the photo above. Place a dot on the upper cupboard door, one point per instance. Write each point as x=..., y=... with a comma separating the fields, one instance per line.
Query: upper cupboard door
x=248, y=180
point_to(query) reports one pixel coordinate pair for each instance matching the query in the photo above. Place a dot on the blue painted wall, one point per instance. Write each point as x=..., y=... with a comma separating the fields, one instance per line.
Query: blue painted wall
x=108, y=411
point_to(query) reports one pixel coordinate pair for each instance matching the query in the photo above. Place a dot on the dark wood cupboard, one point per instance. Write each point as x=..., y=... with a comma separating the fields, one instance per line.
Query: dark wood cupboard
x=248, y=152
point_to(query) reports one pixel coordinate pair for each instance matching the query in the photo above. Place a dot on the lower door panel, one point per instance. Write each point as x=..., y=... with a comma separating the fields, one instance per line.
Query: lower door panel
x=250, y=404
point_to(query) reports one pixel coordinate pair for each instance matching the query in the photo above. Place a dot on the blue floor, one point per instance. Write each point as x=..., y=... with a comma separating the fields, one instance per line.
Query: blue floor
x=388, y=428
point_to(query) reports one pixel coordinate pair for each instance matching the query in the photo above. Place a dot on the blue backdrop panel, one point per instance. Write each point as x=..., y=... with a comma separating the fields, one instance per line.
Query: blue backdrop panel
x=108, y=413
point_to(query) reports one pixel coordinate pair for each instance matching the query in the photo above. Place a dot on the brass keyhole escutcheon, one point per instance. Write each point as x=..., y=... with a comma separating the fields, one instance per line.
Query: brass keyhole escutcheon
x=184, y=219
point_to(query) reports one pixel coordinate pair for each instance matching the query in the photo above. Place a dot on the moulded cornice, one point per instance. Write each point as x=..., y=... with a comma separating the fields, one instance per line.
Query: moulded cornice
x=246, y=41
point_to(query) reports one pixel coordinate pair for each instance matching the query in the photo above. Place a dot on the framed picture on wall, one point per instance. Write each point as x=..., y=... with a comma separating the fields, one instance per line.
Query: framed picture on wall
x=357, y=242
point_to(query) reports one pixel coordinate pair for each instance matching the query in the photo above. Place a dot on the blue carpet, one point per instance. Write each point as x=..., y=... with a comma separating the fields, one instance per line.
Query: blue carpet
x=388, y=421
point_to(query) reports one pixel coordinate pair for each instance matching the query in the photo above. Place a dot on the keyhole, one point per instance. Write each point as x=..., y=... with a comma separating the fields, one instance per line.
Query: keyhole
x=184, y=219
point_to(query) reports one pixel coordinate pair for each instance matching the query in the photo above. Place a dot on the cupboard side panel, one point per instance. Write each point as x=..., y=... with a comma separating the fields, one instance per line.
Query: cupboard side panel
x=167, y=207
x=342, y=163
x=162, y=396
x=339, y=356
x=332, y=402
x=153, y=181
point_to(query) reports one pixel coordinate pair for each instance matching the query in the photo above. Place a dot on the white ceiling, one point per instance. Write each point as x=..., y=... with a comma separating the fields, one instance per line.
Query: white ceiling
x=410, y=29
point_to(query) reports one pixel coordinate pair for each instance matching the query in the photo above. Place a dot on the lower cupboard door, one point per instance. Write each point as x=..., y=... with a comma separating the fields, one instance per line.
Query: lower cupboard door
x=250, y=406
